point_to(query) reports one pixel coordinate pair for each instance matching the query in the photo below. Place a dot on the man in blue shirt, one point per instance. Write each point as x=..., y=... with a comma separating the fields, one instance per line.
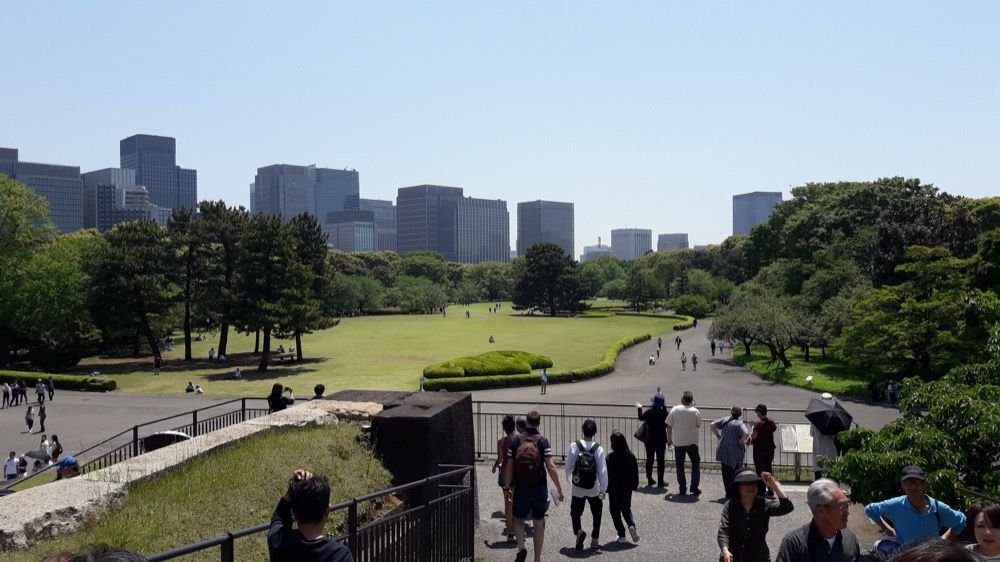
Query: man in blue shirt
x=915, y=515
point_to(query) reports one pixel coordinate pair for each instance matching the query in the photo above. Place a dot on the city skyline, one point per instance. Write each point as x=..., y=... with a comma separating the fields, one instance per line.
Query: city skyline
x=657, y=122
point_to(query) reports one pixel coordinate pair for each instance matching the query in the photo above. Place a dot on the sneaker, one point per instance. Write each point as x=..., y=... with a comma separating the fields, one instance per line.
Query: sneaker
x=580, y=537
x=635, y=534
x=511, y=537
x=696, y=491
x=595, y=543
x=622, y=540
x=522, y=555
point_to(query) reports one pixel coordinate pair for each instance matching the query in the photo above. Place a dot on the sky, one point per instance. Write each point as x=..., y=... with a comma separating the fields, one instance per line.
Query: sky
x=643, y=114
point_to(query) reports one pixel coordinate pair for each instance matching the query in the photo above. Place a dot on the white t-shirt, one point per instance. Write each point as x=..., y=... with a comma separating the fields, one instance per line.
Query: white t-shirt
x=602, y=469
x=685, y=421
x=10, y=467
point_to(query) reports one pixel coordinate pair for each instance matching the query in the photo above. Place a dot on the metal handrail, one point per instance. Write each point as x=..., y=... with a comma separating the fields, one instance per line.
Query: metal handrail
x=975, y=494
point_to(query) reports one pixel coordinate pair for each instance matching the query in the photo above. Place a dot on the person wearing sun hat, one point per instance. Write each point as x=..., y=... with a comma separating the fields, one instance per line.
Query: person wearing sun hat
x=915, y=515
x=746, y=518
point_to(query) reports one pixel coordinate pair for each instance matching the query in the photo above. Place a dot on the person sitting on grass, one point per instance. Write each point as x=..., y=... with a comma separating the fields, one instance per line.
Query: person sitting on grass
x=189, y=387
x=307, y=502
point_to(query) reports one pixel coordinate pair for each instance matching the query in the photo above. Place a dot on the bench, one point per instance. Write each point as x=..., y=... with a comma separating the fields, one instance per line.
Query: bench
x=290, y=355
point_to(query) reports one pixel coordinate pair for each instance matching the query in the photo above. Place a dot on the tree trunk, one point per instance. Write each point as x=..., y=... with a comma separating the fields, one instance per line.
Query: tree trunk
x=265, y=357
x=136, y=343
x=298, y=346
x=4, y=349
x=780, y=353
x=154, y=345
x=805, y=351
x=256, y=343
x=822, y=352
x=223, y=337
x=746, y=348
x=187, y=329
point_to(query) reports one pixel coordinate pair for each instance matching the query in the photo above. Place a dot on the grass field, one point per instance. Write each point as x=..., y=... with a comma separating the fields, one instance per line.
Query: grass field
x=197, y=500
x=382, y=352
x=829, y=375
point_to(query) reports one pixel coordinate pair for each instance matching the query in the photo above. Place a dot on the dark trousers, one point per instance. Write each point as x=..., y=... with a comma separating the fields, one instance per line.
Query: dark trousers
x=52, y=391
x=658, y=451
x=728, y=475
x=762, y=461
x=6, y=400
x=576, y=510
x=30, y=423
x=621, y=506
x=691, y=451
x=41, y=424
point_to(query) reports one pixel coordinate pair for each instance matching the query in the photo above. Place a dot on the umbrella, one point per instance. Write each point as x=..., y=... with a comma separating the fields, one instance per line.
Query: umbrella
x=829, y=417
x=38, y=454
x=161, y=439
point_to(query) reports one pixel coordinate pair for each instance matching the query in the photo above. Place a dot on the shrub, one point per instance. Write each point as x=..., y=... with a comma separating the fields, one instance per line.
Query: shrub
x=491, y=364
x=61, y=382
x=481, y=382
x=691, y=305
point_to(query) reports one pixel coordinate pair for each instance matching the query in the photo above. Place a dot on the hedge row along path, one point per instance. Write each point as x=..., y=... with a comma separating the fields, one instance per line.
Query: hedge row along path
x=719, y=381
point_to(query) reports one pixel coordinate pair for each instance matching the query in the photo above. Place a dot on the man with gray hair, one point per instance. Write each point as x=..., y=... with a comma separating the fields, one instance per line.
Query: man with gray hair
x=826, y=537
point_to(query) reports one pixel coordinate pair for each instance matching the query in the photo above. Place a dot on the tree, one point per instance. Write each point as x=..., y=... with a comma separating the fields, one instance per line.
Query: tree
x=597, y=273
x=549, y=282
x=222, y=228
x=691, y=305
x=188, y=237
x=24, y=226
x=420, y=295
x=642, y=288
x=429, y=265
x=493, y=280
x=354, y=294
x=308, y=313
x=135, y=283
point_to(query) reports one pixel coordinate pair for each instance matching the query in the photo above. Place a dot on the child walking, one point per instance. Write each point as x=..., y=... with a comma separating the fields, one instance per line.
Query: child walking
x=623, y=478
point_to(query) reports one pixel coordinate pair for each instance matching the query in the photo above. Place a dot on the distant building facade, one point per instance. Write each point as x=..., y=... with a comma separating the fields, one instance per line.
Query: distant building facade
x=384, y=213
x=60, y=186
x=418, y=210
x=631, y=243
x=110, y=197
x=594, y=252
x=751, y=209
x=350, y=231
x=475, y=230
x=154, y=160
x=676, y=241
x=287, y=190
x=545, y=221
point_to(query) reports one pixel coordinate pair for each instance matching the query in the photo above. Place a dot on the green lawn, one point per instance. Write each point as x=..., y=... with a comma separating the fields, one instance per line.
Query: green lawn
x=197, y=500
x=383, y=352
x=829, y=375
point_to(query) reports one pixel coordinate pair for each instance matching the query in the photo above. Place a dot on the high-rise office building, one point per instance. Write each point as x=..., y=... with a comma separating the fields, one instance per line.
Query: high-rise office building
x=475, y=230
x=110, y=196
x=418, y=210
x=287, y=190
x=631, y=243
x=154, y=159
x=751, y=209
x=384, y=212
x=594, y=252
x=545, y=221
x=350, y=231
x=61, y=186
x=676, y=241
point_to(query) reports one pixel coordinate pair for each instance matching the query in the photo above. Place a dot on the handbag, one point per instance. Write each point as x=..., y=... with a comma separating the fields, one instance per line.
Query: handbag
x=642, y=433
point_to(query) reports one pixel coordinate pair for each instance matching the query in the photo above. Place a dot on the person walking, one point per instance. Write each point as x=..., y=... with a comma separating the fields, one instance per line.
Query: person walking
x=683, y=424
x=694, y=361
x=544, y=378
x=6, y=395
x=157, y=363
x=10, y=467
x=732, y=435
x=623, y=479
x=507, y=423
x=655, y=419
x=50, y=386
x=40, y=391
x=587, y=469
x=712, y=346
x=677, y=341
x=684, y=361
x=915, y=515
x=762, y=439
x=41, y=417
x=29, y=419
x=746, y=518
x=826, y=537
x=529, y=460
x=55, y=449
x=659, y=342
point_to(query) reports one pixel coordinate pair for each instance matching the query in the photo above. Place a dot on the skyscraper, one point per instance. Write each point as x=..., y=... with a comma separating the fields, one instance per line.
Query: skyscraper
x=418, y=216
x=61, y=186
x=545, y=221
x=287, y=190
x=384, y=213
x=631, y=243
x=110, y=196
x=332, y=189
x=475, y=230
x=154, y=159
x=351, y=231
x=677, y=241
x=751, y=209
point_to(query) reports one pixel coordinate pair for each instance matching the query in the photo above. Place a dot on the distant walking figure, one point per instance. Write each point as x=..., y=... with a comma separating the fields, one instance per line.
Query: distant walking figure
x=684, y=361
x=157, y=363
x=41, y=417
x=29, y=419
x=50, y=386
x=657, y=353
x=545, y=380
x=659, y=344
x=677, y=341
x=713, y=348
x=694, y=361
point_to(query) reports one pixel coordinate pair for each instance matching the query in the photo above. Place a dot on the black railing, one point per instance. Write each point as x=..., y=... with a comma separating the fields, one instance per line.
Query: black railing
x=561, y=423
x=129, y=443
x=439, y=528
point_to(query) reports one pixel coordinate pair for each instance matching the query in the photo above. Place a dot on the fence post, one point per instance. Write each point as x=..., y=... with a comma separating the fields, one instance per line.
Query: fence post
x=243, y=409
x=426, y=521
x=194, y=423
x=352, y=528
x=227, y=549
x=135, y=441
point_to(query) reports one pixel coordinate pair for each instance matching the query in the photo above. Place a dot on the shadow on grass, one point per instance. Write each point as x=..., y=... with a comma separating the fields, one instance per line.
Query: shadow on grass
x=273, y=372
x=247, y=362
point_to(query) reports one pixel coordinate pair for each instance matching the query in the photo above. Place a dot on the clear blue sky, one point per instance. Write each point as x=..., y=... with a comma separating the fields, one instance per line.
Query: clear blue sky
x=646, y=115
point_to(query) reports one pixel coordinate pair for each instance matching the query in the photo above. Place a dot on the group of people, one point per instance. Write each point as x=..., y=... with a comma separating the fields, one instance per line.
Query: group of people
x=17, y=392
x=281, y=397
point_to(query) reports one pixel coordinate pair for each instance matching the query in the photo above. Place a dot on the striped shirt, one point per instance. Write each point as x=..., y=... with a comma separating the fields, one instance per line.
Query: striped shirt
x=732, y=451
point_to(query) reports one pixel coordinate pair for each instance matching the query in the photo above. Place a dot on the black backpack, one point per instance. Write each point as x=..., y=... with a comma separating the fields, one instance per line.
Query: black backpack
x=585, y=469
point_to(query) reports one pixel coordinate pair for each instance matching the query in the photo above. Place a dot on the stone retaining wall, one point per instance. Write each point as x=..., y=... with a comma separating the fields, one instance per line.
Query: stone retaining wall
x=62, y=507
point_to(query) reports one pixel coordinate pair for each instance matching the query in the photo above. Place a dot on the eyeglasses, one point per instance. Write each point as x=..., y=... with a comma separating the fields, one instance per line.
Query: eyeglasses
x=842, y=507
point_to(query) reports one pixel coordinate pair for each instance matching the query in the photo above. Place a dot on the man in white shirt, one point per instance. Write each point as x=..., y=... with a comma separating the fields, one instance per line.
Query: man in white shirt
x=683, y=426
x=10, y=467
x=587, y=469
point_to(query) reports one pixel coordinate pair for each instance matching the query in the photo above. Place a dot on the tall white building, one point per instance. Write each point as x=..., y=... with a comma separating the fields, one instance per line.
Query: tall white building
x=631, y=243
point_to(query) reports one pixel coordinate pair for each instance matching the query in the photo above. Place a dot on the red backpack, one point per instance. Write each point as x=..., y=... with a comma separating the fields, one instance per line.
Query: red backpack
x=528, y=461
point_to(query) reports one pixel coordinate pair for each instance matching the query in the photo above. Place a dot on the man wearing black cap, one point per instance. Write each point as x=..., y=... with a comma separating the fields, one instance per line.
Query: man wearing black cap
x=915, y=515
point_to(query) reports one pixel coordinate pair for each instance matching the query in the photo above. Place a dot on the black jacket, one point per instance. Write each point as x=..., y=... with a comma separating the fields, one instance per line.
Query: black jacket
x=746, y=533
x=656, y=421
x=807, y=545
x=287, y=545
x=623, y=473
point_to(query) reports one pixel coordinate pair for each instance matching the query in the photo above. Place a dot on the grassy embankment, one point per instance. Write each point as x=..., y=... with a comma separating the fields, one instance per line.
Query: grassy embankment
x=829, y=374
x=231, y=488
x=382, y=352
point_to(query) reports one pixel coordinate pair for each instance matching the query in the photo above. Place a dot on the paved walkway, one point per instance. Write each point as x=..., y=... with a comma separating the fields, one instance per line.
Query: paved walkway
x=719, y=381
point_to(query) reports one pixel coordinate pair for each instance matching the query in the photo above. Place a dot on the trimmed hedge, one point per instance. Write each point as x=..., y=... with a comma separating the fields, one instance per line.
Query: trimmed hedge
x=491, y=364
x=61, y=382
x=478, y=383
